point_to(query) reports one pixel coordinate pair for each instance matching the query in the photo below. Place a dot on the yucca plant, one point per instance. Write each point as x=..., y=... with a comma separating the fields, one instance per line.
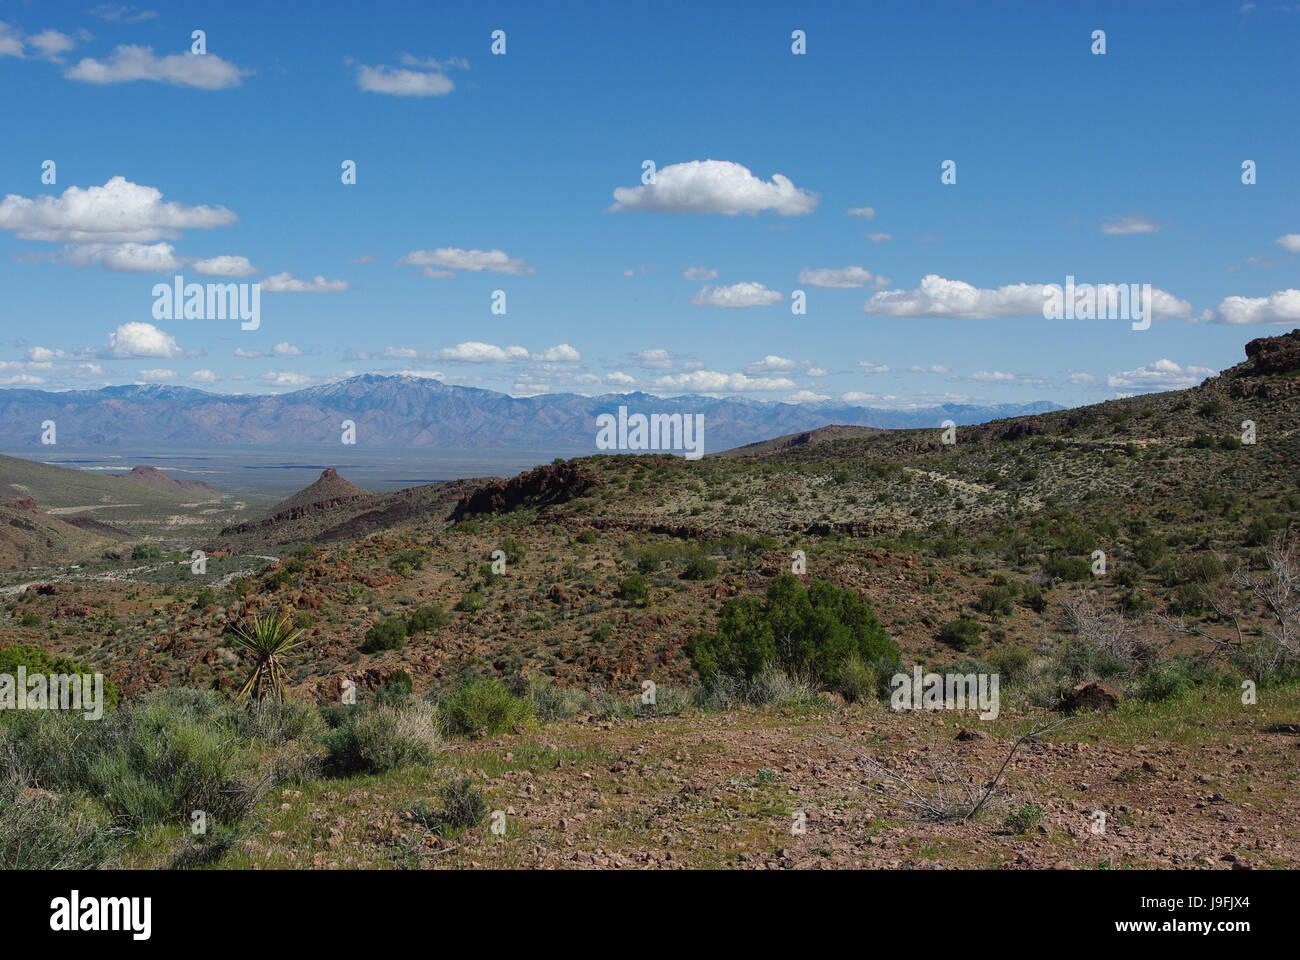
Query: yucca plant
x=268, y=640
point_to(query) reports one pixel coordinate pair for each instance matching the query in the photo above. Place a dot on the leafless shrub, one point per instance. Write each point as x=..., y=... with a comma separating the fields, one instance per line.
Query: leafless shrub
x=951, y=792
x=1105, y=627
x=1271, y=599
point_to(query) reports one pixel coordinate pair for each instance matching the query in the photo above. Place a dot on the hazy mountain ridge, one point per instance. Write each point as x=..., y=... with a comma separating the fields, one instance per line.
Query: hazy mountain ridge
x=415, y=412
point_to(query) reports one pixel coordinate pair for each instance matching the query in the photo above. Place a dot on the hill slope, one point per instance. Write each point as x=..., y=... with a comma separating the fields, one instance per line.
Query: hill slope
x=60, y=487
x=31, y=537
x=155, y=479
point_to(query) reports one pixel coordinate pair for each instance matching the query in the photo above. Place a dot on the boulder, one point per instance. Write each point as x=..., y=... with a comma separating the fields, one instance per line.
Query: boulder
x=1091, y=696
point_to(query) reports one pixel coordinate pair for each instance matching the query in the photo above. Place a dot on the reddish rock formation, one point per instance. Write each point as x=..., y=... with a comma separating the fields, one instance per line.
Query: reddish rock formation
x=556, y=483
x=1275, y=354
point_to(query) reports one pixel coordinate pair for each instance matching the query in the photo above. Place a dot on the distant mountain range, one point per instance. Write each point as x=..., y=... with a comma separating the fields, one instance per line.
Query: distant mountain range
x=397, y=411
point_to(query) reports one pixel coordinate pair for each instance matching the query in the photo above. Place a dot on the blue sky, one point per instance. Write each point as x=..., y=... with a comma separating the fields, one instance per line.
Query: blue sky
x=478, y=172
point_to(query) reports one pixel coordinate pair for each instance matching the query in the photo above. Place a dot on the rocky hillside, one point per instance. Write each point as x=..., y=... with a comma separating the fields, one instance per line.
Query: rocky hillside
x=30, y=537
x=994, y=528
x=156, y=479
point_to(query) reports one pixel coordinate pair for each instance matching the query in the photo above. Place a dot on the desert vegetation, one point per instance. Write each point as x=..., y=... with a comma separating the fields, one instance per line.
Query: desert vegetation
x=618, y=647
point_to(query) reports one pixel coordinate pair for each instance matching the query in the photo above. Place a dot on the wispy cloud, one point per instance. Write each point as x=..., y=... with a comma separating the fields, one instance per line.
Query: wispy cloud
x=1126, y=226
x=129, y=64
x=472, y=261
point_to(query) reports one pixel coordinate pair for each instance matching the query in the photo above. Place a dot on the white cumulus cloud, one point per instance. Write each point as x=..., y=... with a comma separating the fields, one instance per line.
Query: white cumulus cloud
x=1283, y=306
x=1162, y=375
x=772, y=364
x=711, y=381
x=715, y=186
x=940, y=297
x=139, y=339
x=737, y=295
x=124, y=257
x=118, y=212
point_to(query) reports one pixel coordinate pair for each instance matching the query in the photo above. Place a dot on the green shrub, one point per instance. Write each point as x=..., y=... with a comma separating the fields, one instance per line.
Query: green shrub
x=557, y=703
x=514, y=550
x=994, y=600
x=1085, y=661
x=46, y=831
x=858, y=681
x=471, y=602
x=1164, y=681
x=773, y=686
x=1024, y=819
x=407, y=560
x=1012, y=663
x=807, y=632
x=634, y=589
x=700, y=567
x=960, y=634
x=1149, y=551
x=484, y=705
x=387, y=634
x=155, y=760
x=461, y=807
x=426, y=618
x=381, y=738
x=945, y=547
x=1031, y=594
x=397, y=691
x=36, y=660
x=275, y=721
x=1061, y=566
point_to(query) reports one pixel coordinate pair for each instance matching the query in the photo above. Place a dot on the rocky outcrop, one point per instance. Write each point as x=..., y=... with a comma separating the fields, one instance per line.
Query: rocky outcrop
x=293, y=513
x=1269, y=355
x=544, y=486
x=91, y=525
